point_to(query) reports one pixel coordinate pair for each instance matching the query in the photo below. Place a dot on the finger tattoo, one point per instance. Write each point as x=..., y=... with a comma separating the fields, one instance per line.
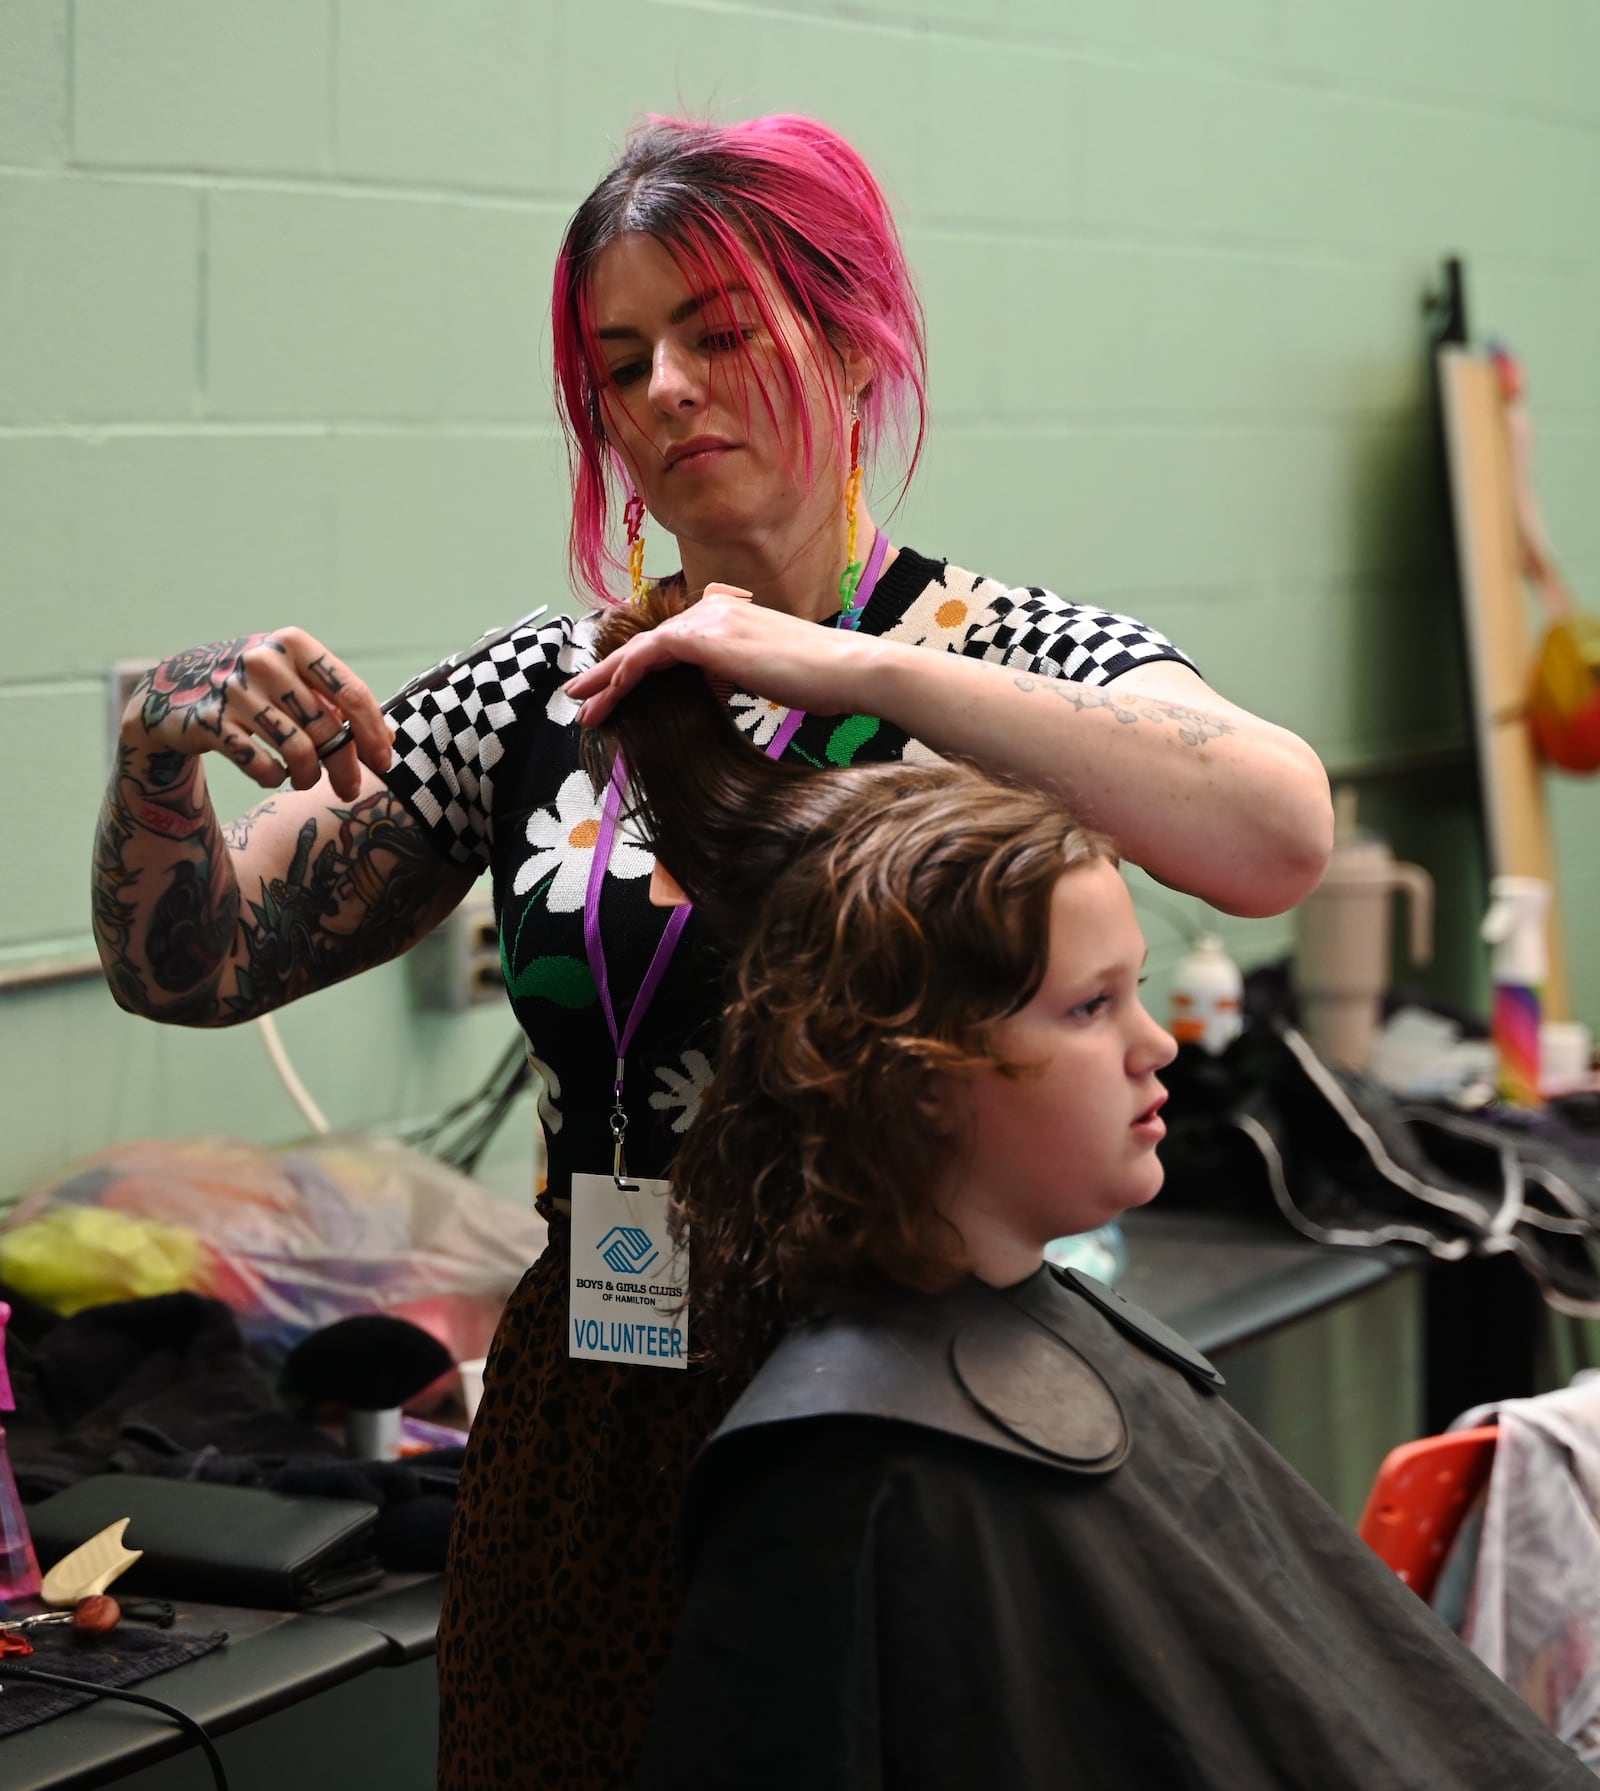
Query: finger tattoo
x=325, y=675
x=290, y=701
x=272, y=724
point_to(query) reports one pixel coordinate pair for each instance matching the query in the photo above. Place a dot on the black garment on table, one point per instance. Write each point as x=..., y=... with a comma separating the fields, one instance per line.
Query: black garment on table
x=1274, y=1128
x=141, y=1385
x=875, y=1604
x=168, y=1386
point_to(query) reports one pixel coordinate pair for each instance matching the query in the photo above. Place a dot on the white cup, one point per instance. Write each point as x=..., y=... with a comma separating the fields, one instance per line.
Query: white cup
x=472, y=1385
x=1564, y=1049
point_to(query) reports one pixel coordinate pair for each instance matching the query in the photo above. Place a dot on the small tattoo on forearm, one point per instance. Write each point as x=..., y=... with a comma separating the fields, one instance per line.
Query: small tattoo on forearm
x=170, y=823
x=1195, y=726
x=236, y=834
x=169, y=768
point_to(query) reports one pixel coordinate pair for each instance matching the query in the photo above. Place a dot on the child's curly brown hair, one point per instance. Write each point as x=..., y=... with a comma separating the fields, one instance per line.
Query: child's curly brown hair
x=881, y=921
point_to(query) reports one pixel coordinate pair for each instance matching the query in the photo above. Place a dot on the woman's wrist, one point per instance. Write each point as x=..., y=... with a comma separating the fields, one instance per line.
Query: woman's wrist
x=873, y=676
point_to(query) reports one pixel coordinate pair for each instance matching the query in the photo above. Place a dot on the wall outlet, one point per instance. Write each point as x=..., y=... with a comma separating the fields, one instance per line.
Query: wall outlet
x=457, y=965
x=120, y=680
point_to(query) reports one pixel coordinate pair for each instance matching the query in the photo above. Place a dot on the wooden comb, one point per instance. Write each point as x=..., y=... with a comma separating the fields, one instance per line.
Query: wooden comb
x=91, y=1567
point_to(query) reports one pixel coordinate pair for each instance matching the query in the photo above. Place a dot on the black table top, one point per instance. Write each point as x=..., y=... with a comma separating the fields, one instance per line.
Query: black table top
x=1224, y=1281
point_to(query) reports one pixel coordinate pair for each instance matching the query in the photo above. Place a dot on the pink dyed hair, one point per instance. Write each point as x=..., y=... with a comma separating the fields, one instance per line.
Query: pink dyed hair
x=783, y=193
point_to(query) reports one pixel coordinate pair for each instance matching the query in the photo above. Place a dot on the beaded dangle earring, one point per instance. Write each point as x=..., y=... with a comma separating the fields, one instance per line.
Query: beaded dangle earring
x=633, y=517
x=852, y=498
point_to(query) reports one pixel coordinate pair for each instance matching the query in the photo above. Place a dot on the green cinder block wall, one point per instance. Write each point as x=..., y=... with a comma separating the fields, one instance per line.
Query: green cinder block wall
x=273, y=349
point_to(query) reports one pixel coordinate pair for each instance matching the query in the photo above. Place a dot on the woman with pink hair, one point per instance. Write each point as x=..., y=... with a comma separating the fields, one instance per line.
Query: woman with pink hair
x=738, y=342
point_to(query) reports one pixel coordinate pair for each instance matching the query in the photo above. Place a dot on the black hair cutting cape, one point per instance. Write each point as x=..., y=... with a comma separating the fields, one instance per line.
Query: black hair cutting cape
x=1008, y=1541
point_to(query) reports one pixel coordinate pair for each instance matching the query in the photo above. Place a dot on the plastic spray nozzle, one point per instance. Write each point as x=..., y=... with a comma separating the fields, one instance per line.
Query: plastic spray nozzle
x=1515, y=926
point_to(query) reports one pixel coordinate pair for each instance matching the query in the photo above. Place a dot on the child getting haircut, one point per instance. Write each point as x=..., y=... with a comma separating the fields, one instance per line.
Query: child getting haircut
x=976, y=1521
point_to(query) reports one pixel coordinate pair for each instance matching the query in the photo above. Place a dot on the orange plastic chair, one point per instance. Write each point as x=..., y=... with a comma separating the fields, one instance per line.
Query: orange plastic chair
x=1418, y=1499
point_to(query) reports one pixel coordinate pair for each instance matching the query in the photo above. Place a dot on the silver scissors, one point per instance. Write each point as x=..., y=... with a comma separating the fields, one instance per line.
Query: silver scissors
x=436, y=676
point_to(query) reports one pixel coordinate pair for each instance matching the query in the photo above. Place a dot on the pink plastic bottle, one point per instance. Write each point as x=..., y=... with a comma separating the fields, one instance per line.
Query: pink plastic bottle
x=19, y=1566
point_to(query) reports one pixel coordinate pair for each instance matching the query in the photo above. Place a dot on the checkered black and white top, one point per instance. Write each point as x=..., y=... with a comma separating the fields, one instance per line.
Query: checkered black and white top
x=489, y=765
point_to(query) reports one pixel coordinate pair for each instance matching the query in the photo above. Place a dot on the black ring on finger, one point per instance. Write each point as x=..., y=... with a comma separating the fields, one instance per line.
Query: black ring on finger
x=337, y=740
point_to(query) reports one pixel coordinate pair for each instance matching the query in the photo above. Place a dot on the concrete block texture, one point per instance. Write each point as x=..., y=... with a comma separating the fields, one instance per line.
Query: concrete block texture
x=59, y=732
x=1539, y=60
x=335, y=306
x=463, y=95
x=441, y=538
x=274, y=348
x=204, y=84
x=996, y=134
x=323, y=305
x=34, y=64
x=138, y=545
x=99, y=308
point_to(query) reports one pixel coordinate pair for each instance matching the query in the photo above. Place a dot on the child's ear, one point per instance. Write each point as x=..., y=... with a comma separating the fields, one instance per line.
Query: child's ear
x=939, y=1101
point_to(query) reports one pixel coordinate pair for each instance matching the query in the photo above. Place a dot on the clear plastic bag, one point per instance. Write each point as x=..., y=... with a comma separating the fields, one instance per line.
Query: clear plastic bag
x=291, y=1239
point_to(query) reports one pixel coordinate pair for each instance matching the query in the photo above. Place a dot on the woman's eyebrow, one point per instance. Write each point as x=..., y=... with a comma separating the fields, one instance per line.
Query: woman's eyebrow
x=681, y=313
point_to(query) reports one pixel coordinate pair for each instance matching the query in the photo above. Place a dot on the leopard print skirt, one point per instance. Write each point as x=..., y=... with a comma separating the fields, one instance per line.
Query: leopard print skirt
x=561, y=1589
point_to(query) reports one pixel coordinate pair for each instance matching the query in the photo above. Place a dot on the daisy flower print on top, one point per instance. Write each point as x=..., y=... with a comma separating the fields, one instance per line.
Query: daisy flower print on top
x=945, y=612
x=756, y=716
x=549, y=1093
x=564, y=844
x=684, y=1088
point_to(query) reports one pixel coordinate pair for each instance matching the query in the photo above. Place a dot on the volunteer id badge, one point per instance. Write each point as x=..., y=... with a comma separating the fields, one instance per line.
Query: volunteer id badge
x=628, y=1278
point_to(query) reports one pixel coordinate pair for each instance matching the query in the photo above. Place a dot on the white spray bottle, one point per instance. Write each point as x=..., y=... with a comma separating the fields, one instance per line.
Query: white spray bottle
x=1516, y=928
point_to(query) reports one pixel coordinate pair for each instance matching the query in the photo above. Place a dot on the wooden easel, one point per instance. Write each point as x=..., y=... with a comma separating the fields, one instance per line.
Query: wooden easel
x=1499, y=645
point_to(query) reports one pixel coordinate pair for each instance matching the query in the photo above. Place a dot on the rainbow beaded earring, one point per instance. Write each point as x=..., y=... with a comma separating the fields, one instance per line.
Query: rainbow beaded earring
x=852, y=498
x=633, y=517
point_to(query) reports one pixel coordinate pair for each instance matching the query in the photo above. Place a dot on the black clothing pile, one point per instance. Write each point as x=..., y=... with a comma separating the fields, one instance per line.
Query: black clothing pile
x=1268, y=1125
x=168, y=1386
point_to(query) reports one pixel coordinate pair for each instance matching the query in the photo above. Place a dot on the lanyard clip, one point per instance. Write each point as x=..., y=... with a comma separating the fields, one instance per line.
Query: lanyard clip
x=619, y=1127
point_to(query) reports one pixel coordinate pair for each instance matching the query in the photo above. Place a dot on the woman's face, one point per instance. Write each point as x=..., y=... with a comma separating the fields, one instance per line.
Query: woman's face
x=1070, y=1141
x=695, y=397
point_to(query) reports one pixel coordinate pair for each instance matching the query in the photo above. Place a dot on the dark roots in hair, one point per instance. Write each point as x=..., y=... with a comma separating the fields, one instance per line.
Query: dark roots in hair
x=882, y=921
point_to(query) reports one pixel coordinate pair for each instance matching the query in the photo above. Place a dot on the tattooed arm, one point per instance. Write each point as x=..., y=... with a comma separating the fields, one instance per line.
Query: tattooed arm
x=1204, y=795
x=204, y=925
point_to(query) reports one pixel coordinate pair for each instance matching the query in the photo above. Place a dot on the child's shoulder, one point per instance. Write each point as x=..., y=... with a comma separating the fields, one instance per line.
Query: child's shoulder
x=1029, y=1371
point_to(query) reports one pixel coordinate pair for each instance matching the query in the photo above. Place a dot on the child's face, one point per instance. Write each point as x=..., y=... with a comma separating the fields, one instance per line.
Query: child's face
x=1070, y=1142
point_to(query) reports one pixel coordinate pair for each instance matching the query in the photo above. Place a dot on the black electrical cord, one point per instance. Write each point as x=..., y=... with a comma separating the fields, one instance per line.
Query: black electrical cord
x=460, y=1135
x=16, y=1669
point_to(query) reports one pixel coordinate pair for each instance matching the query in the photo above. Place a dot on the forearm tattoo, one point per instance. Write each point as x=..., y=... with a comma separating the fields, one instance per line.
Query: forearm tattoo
x=179, y=939
x=353, y=896
x=1195, y=726
x=162, y=943
x=237, y=833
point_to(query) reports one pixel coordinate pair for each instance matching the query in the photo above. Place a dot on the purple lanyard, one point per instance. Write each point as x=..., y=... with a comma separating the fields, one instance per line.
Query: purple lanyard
x=679, y=918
